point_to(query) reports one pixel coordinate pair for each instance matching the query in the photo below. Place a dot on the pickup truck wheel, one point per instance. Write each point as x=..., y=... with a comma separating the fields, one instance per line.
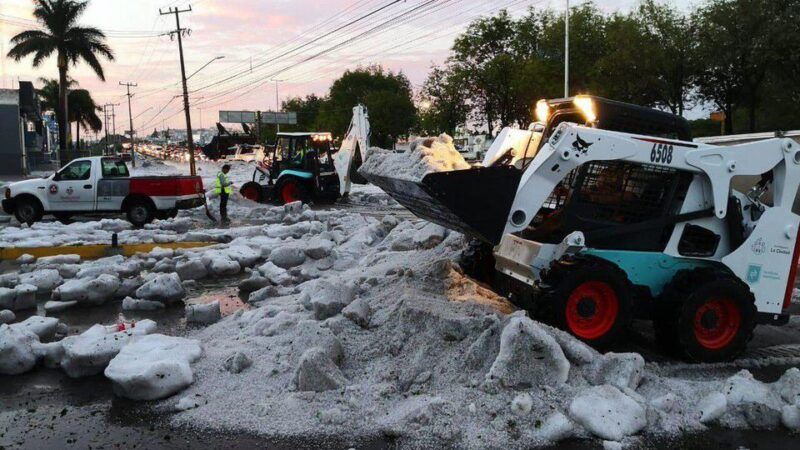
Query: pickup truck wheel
x=28, y=211
x=140, y=213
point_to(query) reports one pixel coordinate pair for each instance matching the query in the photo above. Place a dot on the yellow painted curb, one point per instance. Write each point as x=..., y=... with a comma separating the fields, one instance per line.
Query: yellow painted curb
x=94, y=250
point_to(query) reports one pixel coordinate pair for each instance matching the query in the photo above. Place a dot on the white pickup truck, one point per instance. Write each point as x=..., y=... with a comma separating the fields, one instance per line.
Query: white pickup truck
x=102, y=184
x=246, y=153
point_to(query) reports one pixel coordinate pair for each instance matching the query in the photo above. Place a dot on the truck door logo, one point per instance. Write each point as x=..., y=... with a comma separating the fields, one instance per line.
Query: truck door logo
x=70, y=190
x=53, y=189
x=753, y=273
x=759, y=246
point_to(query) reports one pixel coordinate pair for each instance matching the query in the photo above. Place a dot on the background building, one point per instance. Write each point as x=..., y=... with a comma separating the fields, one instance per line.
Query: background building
x=23, y=135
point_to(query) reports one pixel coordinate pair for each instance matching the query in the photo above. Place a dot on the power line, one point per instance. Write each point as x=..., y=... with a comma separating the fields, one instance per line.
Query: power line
x=317, y=39
x=248, y=61
x=336, y=46
x=424, y=8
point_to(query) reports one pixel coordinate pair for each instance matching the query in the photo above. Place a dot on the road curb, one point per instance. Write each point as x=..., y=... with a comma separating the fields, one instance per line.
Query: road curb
x=94, y=250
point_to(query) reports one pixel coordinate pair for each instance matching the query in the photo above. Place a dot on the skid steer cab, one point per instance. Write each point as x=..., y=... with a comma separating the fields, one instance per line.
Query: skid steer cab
x=299, y=168
x=603, y=212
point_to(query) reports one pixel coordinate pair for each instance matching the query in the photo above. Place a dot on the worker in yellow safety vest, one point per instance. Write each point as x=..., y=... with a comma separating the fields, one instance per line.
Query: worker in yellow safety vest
x=222, y=187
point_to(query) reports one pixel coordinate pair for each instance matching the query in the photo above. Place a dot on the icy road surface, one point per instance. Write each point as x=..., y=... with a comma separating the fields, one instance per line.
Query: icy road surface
x=339, y=329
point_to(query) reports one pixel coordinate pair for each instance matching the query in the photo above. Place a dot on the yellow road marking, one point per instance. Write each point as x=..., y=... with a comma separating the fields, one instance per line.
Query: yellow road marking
x=94, y=250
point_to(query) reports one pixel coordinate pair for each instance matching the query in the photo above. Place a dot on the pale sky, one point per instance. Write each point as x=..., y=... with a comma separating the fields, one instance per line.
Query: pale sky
x=254, y=31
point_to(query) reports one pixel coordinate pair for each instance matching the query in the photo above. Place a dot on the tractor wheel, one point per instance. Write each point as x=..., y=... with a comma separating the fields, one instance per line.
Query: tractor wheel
x=28, y=210
x=252, y=191
x=705, y=315
x=477, y=261
x=589, y=297
x=292, y=190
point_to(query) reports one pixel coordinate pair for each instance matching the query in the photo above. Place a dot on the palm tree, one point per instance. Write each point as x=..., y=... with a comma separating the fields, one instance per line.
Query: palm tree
x=81, y=107
x=61, y=35
x=49, y=92
x=83, y=111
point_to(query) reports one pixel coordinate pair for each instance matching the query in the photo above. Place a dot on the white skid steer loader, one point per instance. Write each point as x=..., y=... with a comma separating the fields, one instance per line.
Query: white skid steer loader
x=588, y=226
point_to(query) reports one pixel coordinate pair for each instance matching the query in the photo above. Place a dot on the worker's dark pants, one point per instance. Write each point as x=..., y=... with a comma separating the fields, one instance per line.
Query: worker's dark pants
x=223, y=206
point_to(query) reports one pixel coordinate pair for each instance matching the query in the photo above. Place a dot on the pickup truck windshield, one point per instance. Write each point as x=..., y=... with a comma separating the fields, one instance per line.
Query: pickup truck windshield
x=114, y=168
x=78, y=170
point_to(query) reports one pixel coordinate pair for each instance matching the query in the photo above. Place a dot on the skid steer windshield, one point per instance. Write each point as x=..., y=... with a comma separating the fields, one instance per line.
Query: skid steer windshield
x=609, y=195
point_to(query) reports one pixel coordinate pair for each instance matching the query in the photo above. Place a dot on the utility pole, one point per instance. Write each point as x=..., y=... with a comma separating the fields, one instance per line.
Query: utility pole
x=258, y=127
x=277, y=108
x=105, y=128
x=179, y=32
x=114, y=124
x=129, y=85
x=566, y=52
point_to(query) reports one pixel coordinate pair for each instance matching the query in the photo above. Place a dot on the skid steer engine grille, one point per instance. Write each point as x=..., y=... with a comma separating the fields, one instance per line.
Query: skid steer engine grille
x=625, y=193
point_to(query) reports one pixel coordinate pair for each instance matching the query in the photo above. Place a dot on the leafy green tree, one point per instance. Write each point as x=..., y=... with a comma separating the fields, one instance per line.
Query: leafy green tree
x=307, y=110
x=387, y=96
x=673, y=52
x=71, y=43
x=737, y=46
x=443, y=102
x=483, y=57
x=587, y=45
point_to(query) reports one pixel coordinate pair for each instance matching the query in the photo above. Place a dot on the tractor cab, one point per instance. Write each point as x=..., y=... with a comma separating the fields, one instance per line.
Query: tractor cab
x=299, y=168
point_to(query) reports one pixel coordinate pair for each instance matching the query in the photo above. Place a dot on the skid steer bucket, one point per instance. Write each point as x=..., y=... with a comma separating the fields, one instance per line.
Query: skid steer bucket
x=474, y=201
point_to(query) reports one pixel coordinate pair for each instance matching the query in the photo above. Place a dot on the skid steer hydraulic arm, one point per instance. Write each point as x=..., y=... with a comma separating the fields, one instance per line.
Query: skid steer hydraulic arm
x=572, y=145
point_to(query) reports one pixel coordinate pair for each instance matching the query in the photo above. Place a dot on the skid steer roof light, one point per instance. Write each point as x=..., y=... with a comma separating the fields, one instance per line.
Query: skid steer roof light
x=586, y=106
x=542, y=111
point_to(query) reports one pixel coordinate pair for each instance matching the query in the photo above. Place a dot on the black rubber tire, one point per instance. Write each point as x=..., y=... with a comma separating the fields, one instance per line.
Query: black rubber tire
x=253, y=187
x=140, y=213
x=477, y=261
x=562, y=278
x=678, y=304
x=301, y=190
x=63, y=217
x=28, y=211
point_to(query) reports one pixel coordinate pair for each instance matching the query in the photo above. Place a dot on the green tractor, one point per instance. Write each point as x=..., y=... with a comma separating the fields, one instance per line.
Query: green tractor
x=299, y=168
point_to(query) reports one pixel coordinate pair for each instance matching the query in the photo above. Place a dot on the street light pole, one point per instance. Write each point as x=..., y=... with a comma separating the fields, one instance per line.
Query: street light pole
x=566, y=52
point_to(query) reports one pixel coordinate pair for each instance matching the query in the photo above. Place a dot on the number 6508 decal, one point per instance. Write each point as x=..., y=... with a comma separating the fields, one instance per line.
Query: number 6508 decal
x=661, y=153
